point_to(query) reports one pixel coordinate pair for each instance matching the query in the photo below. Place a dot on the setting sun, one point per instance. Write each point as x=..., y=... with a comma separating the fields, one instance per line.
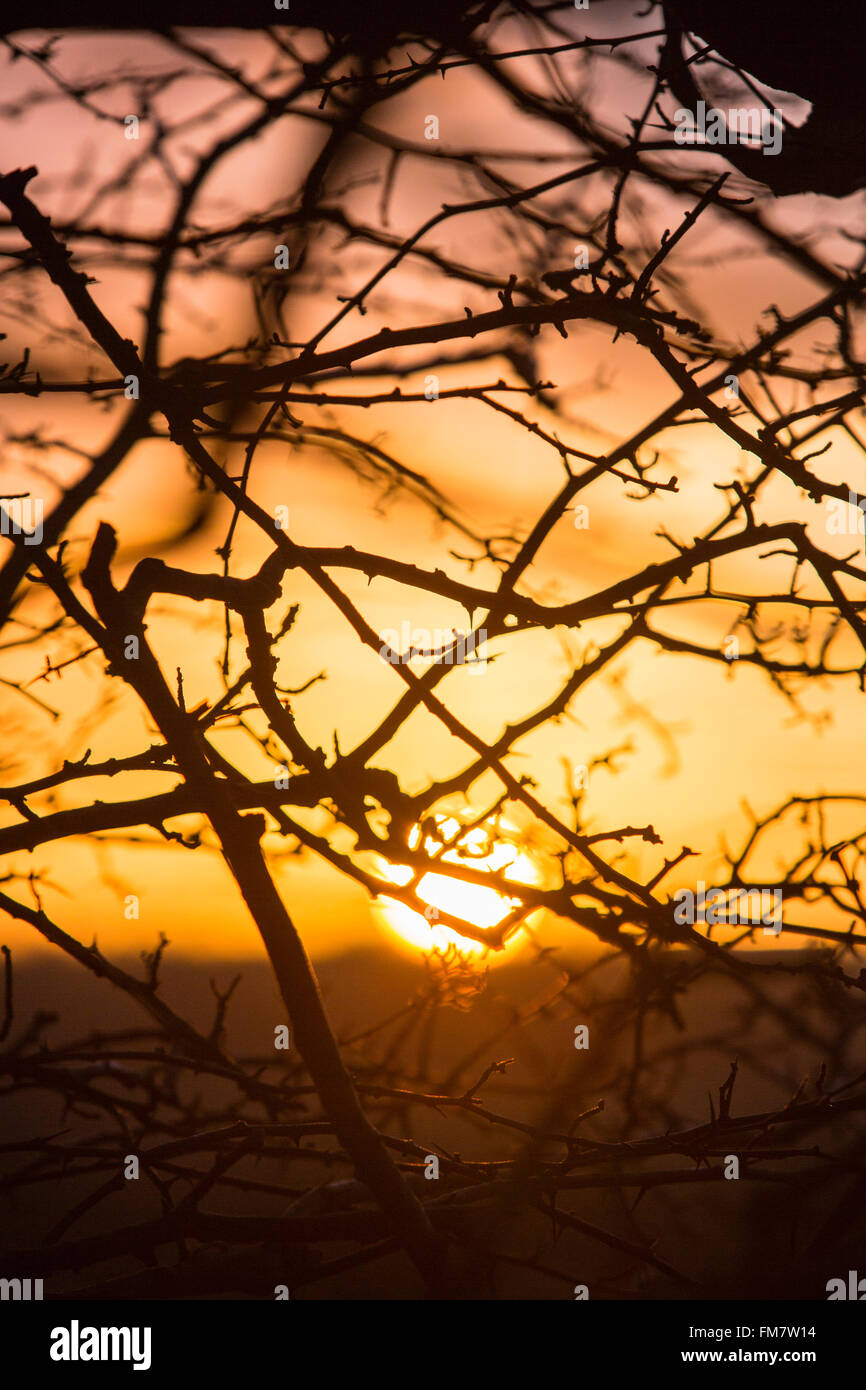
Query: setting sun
x=471, y=902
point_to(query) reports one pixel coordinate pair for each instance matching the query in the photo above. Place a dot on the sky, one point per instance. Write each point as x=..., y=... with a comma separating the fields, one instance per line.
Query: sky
x=709, y=744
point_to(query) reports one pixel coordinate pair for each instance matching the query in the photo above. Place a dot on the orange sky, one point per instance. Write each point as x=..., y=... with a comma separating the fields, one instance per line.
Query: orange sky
x=733, y=736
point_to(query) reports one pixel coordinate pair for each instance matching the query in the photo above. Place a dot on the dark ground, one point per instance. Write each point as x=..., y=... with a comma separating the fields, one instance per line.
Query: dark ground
x=782, y=1236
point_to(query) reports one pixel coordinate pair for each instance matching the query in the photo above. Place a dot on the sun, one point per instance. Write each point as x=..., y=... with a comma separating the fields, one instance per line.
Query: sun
x=471, y=902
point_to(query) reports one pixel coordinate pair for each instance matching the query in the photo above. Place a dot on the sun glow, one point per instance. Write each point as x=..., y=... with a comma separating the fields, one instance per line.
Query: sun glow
x=472, y=903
